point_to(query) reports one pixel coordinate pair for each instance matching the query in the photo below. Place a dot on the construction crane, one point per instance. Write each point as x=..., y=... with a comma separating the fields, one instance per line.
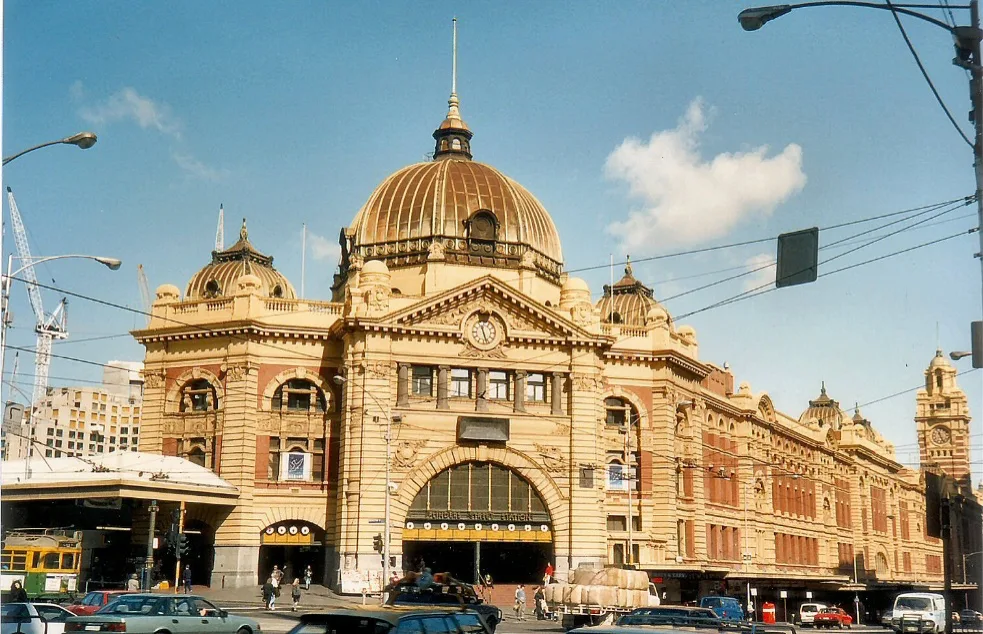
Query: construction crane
x=48, y=327
x=220, y=231
x=144, y=292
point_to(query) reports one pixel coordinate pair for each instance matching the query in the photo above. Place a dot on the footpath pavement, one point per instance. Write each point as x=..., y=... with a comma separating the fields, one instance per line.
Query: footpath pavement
x=244, y=598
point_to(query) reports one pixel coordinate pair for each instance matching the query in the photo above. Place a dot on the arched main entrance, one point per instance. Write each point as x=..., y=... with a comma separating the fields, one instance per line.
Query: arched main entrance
x=291, y=545
x=479, y=517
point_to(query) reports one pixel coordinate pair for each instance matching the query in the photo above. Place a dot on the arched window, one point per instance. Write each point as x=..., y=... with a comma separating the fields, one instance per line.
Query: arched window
x=299, y=395
x=618, y=411
x=198, y=395
x=212, y=289
x=277, y=292
x=482, y=226
x=615, y=317
x=197, y=456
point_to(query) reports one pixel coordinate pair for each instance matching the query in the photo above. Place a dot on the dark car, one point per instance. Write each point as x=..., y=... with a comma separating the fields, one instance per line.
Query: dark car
x=444, y=593
x=725, y=607
x=392, y=619
x=970, y=617
x=677, y=615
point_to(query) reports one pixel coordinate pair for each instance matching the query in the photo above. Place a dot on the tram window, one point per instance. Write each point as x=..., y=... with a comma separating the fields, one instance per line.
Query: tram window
x=19, y=561
x=51, y=561
x=36, y=560
x=68, y=561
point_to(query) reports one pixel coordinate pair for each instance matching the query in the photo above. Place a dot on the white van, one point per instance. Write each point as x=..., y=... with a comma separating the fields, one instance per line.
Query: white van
x=912, y=609
x=808, y=611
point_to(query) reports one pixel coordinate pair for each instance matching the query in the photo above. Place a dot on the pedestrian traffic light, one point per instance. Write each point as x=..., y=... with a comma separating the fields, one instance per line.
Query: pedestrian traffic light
x=183, y=546
x=377, y=543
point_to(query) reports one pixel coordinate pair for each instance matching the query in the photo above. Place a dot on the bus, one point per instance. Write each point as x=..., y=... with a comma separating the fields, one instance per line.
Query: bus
x=46, y=561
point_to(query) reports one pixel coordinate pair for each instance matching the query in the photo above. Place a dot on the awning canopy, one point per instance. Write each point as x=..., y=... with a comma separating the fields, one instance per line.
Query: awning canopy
x=122, y=474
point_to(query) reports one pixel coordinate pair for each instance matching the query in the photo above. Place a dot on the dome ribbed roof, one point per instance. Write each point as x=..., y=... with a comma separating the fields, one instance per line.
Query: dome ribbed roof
x=824, y=411
x=627, y=302
x=219, y=277
x=440, y=199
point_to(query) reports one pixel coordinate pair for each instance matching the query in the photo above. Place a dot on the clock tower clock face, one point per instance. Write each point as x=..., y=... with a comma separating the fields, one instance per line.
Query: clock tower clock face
x=483, y=331
x=940, y=435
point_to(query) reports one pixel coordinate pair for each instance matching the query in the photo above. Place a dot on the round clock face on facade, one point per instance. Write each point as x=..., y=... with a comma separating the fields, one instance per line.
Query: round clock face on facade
x=483, y=331
x=940, y=435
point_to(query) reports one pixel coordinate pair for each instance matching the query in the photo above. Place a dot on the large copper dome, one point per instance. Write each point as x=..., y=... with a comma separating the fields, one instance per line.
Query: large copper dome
x=440, y=199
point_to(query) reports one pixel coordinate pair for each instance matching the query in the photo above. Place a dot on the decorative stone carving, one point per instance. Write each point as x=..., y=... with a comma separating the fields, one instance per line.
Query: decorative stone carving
x=581, y=313
x=377, y=299
x=528, y=259
x=562, y=430
x=585, y=383
x=453, y=316
x=236, y=372
x=153, y=379
x=475, y=353
x=269, y=424
x=552, y=457
x=436, y=251
x=405, y=453
x=377, y=369
x=517, y=320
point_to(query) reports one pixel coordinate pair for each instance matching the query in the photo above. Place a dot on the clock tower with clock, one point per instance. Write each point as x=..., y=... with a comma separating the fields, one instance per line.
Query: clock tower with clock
x=942, y=421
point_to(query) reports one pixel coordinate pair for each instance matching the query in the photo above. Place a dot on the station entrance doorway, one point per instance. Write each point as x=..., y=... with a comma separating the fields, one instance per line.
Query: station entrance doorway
x=291, y=546
x=479, y=518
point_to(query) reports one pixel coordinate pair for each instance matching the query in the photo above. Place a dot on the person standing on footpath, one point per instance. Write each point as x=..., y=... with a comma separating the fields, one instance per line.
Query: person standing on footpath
x=295, y=594
x=269, y=597
x=187, y=578
x=520, y=602
x=308, y=575
x=133, y=584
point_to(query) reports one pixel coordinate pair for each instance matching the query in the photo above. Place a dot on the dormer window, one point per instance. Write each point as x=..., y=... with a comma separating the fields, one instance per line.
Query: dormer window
x=198, y=396
x=482, y=226
x=277, y=292
x=212, y=289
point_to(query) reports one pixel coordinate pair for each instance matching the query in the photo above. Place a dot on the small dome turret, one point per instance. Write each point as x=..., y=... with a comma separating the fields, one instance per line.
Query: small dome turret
x=628, y=301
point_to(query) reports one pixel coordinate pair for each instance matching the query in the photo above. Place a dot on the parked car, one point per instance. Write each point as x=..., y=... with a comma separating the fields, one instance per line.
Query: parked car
x=389, y=619
x=446, y=592
x=154, y=613
x=33, y=618
x=970, y=617
x=672, y=615
x=918, y=612
x=94, y=600
x=808, y=611
x=832, y=617
x=727, y=608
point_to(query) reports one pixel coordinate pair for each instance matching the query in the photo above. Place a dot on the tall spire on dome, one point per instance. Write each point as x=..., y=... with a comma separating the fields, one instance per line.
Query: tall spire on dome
x=453, y=136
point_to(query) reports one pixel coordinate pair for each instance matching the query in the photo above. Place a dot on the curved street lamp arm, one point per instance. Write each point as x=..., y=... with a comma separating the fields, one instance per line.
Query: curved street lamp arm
x=82, y=140
x=31, y=149
x=760, y=15
x=112, y=263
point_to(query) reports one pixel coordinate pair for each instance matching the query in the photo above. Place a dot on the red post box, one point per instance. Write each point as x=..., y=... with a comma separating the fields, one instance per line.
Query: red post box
x=768, y=612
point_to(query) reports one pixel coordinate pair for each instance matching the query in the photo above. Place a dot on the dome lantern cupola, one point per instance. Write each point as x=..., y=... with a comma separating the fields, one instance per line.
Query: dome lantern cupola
x=628, y=301
x=453, y=138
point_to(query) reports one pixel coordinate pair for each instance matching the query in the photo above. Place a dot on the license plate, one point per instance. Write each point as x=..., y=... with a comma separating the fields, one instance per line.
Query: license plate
x=92, y=628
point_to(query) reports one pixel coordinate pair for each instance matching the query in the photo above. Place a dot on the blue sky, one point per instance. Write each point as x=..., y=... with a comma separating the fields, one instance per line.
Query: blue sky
x=643, y=127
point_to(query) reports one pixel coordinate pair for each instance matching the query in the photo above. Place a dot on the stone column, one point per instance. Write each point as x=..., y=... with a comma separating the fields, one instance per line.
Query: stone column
x=519, y=391
x=481, y=399
x=403, y=385
x=443, y=375
x=556, y=396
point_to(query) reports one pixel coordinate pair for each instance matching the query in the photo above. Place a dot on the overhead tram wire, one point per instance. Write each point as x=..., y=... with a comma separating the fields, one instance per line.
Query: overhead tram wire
x=925, y=74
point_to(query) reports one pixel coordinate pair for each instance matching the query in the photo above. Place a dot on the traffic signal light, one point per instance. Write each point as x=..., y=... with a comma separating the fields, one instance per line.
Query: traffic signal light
x=377, y=543
x=183, y=546
x=171, y=541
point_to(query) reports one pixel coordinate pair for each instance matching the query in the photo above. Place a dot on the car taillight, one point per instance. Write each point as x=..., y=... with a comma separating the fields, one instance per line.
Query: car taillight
x=115, y=627
x=73, y=627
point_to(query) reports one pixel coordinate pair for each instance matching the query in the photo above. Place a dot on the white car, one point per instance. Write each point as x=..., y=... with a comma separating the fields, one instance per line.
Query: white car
x=33, y=618
x=808, y=611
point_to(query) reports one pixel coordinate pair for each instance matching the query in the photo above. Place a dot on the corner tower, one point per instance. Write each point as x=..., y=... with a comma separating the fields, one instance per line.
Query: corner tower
x=942, y=422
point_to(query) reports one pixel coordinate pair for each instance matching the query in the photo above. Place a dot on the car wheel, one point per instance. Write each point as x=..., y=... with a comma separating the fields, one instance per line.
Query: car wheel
x=492, y=624
x=244, y=630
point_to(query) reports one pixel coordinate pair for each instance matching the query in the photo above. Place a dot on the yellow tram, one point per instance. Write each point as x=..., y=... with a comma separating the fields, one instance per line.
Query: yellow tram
x=47, y=561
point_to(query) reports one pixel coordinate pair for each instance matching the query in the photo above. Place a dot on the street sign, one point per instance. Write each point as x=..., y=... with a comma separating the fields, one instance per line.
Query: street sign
x=808, y=594
x=382, y=521
x=783, y=594
x=754, y=592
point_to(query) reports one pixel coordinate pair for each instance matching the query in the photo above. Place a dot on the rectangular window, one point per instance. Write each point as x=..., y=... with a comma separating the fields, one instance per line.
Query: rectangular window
x=422, y=380
x=905, y=527
x=461, y=382
x=536, y=388
x=273, y=468
x=617, y=477
x=878, y=507
x=618, y=554
x=317, y=463
x=498, y=385
x=617, y=523
x=587, y=477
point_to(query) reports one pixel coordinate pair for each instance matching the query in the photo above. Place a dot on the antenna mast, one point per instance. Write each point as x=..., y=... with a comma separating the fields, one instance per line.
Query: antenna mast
x=220, y=231
x=303, y=257
x=454, y=62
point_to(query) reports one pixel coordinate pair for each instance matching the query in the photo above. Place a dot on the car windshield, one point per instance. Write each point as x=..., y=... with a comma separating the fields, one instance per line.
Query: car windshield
x=810, y=608
x=343, y=624
x=13, y=610
x=130, y=604
x=921, y=604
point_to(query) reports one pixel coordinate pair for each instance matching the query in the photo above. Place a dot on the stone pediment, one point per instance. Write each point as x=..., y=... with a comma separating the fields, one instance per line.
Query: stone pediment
x=487, y=296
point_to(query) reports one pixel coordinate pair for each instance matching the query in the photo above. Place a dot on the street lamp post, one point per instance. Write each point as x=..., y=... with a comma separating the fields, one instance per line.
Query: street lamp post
x=82, y=140
x=149, y=563
x=390, y=418
x=967, y=40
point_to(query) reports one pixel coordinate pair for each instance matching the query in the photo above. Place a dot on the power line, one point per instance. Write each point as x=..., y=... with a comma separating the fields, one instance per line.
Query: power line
x=928, y=79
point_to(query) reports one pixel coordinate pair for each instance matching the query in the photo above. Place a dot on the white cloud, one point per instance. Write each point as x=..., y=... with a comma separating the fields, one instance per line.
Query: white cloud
x=196, y=168
x=761, y=271
x=686, y=199
x=76, y=91
x=128, y=104
x=322, y=248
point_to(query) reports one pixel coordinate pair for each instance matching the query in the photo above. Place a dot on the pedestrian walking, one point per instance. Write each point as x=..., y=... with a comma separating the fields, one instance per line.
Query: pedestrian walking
x=539, y=600
x=520, y=602
x=308, y=575
x=295, y=594
x=269, y=595
x=133, y=584
x=549, y=574
x=187, y=578
x=17, y=593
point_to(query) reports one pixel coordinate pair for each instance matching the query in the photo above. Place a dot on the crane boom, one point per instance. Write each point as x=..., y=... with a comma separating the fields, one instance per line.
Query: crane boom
x=24, y=253
x=144, y=291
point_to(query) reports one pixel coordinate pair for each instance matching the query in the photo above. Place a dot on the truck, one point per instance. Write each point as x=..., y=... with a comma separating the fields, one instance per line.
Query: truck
x=599, y=596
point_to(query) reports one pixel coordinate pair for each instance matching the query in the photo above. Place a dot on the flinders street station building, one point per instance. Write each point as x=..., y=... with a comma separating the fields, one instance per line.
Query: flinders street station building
x=530, y=420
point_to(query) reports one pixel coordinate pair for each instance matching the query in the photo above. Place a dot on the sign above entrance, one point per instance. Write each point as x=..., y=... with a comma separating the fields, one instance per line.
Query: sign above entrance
x=483, y=428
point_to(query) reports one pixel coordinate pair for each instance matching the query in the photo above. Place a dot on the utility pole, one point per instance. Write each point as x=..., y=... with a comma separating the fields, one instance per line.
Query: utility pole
x=976, y=99
x=630, y=480
x=177, y=565
x=947, y=556
x=148, y=567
